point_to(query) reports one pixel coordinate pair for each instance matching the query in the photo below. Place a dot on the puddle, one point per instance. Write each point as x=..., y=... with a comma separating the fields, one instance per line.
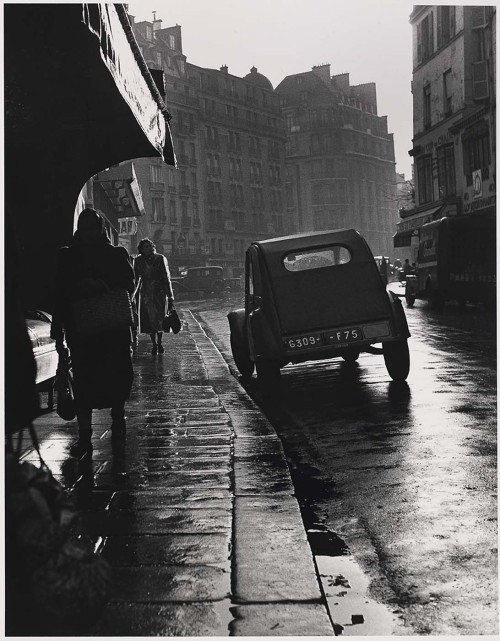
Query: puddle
x=352, y=611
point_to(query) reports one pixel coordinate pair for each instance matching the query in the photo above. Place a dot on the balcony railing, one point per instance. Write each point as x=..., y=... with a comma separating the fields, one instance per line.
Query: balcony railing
x=157, y=186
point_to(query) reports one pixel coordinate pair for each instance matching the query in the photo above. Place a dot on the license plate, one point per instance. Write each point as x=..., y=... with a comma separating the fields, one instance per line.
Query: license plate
x=303, y=342
x=344, y=335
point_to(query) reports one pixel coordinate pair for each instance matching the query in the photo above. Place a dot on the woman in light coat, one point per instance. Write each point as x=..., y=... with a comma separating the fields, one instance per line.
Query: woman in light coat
x=155, y=288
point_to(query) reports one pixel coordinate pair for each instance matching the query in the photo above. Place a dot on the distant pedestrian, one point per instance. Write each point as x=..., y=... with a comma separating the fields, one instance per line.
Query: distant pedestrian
x=407, y=268
x=154, y=288
x=384, y=270
x=102, y=362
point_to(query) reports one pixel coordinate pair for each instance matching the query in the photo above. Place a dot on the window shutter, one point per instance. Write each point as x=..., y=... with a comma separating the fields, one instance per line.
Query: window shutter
x=431, y=33
x=419, y=43
x=439, y=26
x=480, y=80
x=478, y=17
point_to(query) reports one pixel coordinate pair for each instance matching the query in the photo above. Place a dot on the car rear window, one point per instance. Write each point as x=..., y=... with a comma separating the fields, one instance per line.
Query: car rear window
x=317, y=258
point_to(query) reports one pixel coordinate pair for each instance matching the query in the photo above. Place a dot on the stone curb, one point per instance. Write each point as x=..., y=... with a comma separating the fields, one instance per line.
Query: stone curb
x=274, y=575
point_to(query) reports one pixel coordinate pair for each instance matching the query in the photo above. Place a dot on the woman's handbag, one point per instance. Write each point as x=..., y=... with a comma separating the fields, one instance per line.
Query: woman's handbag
x=172, y=322
x=108, y=311
x=52, y=569
x=63, y=387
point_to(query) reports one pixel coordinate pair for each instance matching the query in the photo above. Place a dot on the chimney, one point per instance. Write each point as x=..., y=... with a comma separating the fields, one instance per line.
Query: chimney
x=156, y=23
x=224, y=69
x=323, y=72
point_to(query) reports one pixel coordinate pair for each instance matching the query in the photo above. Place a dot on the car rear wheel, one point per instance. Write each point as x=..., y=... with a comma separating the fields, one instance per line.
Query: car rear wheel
x=351, y=355
x=397, y=359
x=241, y=356
x=268, y=373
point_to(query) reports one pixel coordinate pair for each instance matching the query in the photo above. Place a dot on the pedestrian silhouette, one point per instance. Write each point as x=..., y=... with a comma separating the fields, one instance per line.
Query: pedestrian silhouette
x=102, y=363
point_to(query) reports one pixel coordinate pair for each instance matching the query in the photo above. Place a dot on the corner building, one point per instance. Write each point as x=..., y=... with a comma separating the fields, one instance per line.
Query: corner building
x=340, y=168
x=454, y=120
x=229, y=136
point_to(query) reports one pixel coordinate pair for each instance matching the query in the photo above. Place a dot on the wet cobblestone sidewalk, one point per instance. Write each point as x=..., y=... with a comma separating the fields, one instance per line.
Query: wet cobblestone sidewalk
x=196, y=512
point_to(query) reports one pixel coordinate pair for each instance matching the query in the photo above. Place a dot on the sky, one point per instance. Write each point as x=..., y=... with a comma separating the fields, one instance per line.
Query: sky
x=369, y=39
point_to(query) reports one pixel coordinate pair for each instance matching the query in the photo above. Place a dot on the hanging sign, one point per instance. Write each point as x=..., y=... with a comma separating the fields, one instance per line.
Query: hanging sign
x=127, y=226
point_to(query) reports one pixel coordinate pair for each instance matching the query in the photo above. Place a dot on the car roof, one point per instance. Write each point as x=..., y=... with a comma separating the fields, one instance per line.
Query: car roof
x=309, y=240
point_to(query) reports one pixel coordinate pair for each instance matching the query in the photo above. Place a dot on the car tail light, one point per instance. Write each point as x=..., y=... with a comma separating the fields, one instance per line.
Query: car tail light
x=377, y=330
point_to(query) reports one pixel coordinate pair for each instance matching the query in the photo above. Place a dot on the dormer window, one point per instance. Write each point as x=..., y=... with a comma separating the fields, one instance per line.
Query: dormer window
x=172, y=41
x=149, y=32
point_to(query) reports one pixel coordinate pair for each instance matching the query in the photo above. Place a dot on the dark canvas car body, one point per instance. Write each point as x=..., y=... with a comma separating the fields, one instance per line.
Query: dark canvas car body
x=314, y=296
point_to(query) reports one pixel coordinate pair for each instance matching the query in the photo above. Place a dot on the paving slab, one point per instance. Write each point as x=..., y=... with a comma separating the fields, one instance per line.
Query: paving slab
x=178, y=620
x=272, y=555
x=170, y=584
x=169, y=549
x=280, y=619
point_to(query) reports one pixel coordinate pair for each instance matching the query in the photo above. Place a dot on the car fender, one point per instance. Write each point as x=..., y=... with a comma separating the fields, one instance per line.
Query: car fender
x=262, y=340
x=399, y=316
x=237, y=324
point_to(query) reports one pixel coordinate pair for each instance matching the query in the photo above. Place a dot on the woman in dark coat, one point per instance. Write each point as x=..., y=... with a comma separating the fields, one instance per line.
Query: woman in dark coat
x=152, y=273
x=102, y=363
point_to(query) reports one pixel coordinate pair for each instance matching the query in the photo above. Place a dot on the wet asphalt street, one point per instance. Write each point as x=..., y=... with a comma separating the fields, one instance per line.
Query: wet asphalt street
x=397, y=484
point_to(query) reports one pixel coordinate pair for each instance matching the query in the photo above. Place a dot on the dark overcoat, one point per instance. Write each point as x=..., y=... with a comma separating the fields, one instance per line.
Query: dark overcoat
x=102, y=364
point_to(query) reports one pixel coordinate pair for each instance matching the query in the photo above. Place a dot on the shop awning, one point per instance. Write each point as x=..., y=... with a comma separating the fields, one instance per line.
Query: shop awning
x=78, y=99
x=411, y=223
x=402, y=238
x=415, y=221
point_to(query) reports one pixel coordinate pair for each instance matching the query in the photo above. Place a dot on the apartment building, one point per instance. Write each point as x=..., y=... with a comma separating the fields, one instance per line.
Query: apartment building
x=229, y=137
x=454, y=126
x=339, y=157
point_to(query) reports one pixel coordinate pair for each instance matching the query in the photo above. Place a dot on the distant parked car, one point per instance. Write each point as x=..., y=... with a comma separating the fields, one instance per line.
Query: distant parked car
x=44, y=350
x=315, y=296
x=206, y=279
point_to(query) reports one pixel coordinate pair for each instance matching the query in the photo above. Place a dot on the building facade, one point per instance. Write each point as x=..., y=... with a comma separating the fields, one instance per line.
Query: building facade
x=339, y=157
x=454, y=107
x=229, y=136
